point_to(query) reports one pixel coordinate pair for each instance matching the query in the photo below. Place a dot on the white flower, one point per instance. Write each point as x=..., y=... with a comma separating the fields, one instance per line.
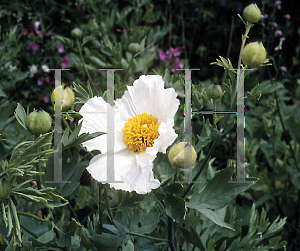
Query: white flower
x=45, y=68
x=33, y=70
x=143, y=126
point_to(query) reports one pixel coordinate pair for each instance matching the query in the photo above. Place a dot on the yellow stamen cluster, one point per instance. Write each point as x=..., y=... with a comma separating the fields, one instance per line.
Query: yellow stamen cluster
x=140, y=131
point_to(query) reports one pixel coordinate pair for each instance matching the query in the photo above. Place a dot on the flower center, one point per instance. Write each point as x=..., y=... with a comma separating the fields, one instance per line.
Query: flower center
x=140, y=131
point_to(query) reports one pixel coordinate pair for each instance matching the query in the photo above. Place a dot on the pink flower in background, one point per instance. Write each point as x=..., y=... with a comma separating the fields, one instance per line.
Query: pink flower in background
x=64, y=61
x=296, y=101
x=283, y=68
x=59, y=47
x=274, y=24
x=162, y=56
x=176, y=65
x=118, y=30
x=25, y=31
x=175, y=52
x=46, y=99
x=265, y=16
x=278, y=32
x=287, y=16
x=33, y=45
x=47, y=80
x=278, y=5
x=40, y=81
x=78, y=9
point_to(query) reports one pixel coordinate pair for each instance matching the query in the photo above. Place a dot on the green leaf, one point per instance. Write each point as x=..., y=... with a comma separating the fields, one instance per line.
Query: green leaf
x=11, y=246
x=39, y=228
x=44, y=239
x=86, y=40
x=218, y=192
x=192, y=237
x=175, y=208
x=20, y=115
x=106, y=242
x=98, y=62
x=176, y=188
x=75, y=242
x=267, y=87
x=214, y=218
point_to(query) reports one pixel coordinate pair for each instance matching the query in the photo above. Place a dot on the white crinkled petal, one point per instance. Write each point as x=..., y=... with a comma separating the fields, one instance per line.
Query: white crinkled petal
x=126, y=169
x=94, y=113
x=151, y=97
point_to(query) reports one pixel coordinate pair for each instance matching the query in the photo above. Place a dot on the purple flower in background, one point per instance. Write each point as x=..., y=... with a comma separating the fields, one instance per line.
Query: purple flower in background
x=196, y=9
x=118, y=30
x=64, y=61
x=296, y=101
x=287, y=16
x=151, y=5
x=283, y=68
x=47, y=80
x=33, y=45
x=239, y=8
x=265, y=16
x=46, y=99
x=176, y=65
x=278, y=32
x=40, y=81
x=223, y=3
x=25, y=31
x=278, y=5
x=274, y=24
x=59, y=47
x=162, y=56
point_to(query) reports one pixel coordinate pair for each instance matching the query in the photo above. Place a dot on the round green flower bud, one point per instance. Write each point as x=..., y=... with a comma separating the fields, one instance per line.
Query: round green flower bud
x=177, y=157
x=134, y=48
x=254, y=54
x=214, y=92
x=252, y=13
x=5, y=188
x=38, y=122
x=67, y=96
x=76, y=33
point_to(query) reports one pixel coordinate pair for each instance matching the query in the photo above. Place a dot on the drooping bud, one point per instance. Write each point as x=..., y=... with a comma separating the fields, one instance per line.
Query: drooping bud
x=38, y=122
x=214, y=92
x=134, y=48
x=252, y=13
x=5, y=188
x=181, y=154
x=67, y=96
x=76, y=33
x=254, y=54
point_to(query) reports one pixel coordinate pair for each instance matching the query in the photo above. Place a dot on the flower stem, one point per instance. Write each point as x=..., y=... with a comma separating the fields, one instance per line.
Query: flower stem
x=66, y=124
x=244, y=38
x=86, y=70
x=170, y=234
x=214, y=114
x=145, y=236
x=33, y=216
